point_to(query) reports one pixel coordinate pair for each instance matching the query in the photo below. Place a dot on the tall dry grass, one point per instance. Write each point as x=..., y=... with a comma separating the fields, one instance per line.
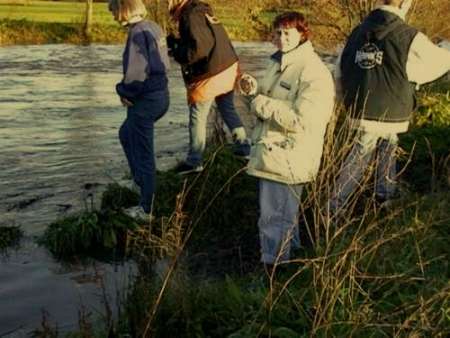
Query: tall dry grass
x=372, y=271
x=349, y=283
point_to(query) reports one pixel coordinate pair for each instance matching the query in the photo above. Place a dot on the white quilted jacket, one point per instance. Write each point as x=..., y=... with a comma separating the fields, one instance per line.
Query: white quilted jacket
x=294, y=106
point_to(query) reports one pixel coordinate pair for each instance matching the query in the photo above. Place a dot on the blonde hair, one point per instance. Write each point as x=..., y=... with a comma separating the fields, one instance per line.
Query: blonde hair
x=173, y=4
x=126, y=9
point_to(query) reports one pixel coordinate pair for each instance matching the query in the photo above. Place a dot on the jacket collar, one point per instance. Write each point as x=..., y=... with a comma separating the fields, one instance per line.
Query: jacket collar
x=394, y=10
x=133, y=20
x=286, y=59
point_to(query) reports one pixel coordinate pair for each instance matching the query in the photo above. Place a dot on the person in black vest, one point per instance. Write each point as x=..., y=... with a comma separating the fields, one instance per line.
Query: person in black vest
x=210, y=68
x=382, y=63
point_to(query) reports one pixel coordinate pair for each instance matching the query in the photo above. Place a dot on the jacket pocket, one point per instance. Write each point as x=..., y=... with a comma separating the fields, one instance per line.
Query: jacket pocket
x=276, y=158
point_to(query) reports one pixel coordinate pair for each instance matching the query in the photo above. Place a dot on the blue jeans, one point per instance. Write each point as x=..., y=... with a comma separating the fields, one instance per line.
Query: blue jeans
x=198, y=118
x=278, y=220
x=136, y=137
x=369, y=148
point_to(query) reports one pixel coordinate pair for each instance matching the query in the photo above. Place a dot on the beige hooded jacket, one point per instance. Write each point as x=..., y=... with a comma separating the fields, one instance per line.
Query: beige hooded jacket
x=294, y=106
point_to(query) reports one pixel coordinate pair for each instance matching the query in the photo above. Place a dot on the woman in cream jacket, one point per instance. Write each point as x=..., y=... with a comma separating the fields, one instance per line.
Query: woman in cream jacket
x=294, y=103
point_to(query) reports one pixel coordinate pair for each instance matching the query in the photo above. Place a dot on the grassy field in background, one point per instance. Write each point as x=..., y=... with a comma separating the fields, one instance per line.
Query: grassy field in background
x=53, y=11
x=39, y=22
x=72, y=12
x=35, y=22
x=61, y=21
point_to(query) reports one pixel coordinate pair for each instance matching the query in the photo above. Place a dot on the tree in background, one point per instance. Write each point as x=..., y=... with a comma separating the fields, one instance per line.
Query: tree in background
x=340, y=16
x=432, y=18
x=157, y=11
x=88, y=18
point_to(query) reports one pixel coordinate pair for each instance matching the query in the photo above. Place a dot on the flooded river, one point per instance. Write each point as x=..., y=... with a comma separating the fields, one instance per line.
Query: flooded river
x=59, y=119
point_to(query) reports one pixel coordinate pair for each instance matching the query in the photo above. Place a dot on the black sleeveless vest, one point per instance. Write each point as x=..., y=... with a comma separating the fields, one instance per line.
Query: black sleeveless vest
x=374, y=79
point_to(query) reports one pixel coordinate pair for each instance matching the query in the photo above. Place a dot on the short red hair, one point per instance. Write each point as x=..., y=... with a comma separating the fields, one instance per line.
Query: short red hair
x=292, y=20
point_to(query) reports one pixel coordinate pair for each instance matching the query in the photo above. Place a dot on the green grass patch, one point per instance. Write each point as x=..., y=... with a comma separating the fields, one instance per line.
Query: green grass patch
x=386, y=274
x=96, y=233
x=220, y=206
x=383, y=279
x=54, y=11
x=427, y=144
x=9, y=237
x=30, y=32
x=37, y=22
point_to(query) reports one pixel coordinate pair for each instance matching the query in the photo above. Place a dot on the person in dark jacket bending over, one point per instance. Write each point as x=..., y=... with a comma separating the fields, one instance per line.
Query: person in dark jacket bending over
x=376, y=75
x=210, y=67
x=143, y=90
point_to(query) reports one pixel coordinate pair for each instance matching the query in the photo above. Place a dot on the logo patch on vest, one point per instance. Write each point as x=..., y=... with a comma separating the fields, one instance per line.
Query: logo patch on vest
x=369, y=56
x=212, y=19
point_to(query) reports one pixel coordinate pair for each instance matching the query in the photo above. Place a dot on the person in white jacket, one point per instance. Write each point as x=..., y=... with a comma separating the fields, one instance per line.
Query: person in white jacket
x=293, y=103
x=383, y=63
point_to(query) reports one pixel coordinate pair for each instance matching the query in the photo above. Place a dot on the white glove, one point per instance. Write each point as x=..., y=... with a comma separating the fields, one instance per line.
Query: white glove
x=261, y=106
x=248, y=85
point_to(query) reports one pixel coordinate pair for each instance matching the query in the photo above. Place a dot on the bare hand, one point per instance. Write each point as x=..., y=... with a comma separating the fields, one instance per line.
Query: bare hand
x=125, y=102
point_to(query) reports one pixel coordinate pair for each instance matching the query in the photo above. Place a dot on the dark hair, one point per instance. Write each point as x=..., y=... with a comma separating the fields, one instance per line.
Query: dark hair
x=392, y=2
x=292, y=20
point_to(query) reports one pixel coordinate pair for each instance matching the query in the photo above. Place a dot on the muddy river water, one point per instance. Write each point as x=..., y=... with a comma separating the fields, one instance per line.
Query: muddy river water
x=59, y=118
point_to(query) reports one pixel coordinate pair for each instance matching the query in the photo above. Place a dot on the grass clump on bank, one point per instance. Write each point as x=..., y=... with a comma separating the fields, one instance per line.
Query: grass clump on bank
x=9, y=237
x=93, y=232
x=214, y=212
x=89, y=233
x=427, y=144
x=219, y=208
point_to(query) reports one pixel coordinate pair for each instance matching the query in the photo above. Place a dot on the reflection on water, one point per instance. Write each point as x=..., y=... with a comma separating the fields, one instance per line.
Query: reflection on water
x=59, y=118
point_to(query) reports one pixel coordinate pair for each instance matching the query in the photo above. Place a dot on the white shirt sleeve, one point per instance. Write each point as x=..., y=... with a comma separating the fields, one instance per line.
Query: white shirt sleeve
x=426, y=61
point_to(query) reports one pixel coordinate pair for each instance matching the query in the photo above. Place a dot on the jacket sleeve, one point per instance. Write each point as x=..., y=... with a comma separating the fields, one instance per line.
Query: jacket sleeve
x=426, y=61
x=313, y=104
x=136, y=68
x=196, y=39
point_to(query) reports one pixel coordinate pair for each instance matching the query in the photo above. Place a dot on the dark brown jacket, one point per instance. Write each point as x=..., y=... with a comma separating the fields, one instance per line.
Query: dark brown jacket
x=204, y=48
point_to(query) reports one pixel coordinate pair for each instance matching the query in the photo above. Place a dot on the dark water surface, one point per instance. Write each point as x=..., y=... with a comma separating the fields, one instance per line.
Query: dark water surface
x=59, y=118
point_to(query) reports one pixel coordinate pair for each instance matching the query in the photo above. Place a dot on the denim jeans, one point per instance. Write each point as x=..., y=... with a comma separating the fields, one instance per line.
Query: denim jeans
x=278, y=220
x=136, y=137
x=369, y=148
x=198, y=118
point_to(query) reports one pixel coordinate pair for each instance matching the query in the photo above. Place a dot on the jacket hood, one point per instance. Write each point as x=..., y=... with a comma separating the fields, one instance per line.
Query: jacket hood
x=381, y=23
x=197, y=5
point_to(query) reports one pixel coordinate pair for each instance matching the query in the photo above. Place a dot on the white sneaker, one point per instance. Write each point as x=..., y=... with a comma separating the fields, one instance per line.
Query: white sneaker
x=139, y=214
x=131, y=185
